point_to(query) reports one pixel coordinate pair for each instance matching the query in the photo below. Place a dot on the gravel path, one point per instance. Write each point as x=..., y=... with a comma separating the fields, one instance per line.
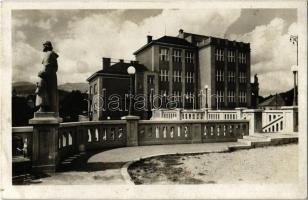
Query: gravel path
x=275, y=164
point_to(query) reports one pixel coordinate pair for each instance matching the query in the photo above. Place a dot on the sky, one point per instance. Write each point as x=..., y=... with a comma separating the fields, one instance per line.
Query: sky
x=83, y=37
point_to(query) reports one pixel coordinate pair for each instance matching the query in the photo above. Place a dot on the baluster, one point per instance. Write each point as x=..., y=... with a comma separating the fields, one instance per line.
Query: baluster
x=96, y=135
x=212, y=130
x=89, y=136
x=224, y=130
x=186, y=131
x=105, y=134
x=165, y=132
x=218, y=130
x=70, y=140
x=112, y=133
x=205, y=130
x=120, y=133
x=171, y=132
x=157, y=132
x=179, y=131
x=63, y=140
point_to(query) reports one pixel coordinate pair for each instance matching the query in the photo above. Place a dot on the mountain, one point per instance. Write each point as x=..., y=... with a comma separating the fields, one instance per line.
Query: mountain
x=82, y=87
x=26, y=88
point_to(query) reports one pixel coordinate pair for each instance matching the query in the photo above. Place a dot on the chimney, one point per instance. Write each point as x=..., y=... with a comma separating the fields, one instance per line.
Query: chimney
x=106, y=63
x=181, y=33
x=149, y=38
x=121, y=60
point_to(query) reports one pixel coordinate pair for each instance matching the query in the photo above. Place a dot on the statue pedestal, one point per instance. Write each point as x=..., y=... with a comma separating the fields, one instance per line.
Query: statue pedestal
x=45, y=142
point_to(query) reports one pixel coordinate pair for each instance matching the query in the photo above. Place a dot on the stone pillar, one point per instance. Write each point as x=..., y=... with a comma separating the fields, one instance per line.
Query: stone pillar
x=290, y=116
x=196, y=133
x=255, y=120
x=132, y=130
x=45, y=142
x=178, y=113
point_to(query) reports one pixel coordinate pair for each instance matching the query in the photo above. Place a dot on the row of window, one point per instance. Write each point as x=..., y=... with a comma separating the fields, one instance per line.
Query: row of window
x=231, y=96
x=231, y=76
x=189, y=76
x=219, y=56
x=176, y=55
x=219, y=95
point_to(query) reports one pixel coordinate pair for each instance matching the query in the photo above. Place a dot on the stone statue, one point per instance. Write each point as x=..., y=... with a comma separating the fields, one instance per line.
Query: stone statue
x=47, y=88
x=256, y=79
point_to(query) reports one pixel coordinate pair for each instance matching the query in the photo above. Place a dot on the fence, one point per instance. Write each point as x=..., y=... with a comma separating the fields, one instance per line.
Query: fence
x=75, y=137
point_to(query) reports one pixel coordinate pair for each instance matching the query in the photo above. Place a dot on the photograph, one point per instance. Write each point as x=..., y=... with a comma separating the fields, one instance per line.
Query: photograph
x=144, y=100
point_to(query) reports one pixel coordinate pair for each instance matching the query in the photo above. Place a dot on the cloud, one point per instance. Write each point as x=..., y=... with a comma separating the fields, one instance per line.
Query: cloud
x=272, y=55
x=90, y=38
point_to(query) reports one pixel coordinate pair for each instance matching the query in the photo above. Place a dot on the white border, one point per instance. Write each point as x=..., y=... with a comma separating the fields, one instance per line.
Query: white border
x=218, y=191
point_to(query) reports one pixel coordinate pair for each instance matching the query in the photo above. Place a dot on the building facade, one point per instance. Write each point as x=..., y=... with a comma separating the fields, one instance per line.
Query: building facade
x=203, y=71
x=186, y=71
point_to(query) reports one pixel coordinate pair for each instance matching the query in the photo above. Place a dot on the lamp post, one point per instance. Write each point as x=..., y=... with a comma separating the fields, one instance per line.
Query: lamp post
x=294, y=70
x=206, y=88
x=131, y=71
x=294, y=40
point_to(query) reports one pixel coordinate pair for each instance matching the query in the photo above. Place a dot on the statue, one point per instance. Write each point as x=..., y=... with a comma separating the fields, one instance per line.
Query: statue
x=256, y=79
x=47, y=88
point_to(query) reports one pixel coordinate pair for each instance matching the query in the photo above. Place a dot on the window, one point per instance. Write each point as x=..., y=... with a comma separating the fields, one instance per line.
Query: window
x=220, y=95
x=231, y=56
x=176, y=76
x=189, y=96
x=231, y=76
x=90, y=92
x=242, y=77
x=231, y=96
x=242, y=58
x=150, y=79
x=219, y=75
x=189, y=77
x=177, y=95
x=95, y=88
x=163, y=54
x=219, y=54
x=176, y=56
x=242, y=97
x=189, y=57
x=163, y=75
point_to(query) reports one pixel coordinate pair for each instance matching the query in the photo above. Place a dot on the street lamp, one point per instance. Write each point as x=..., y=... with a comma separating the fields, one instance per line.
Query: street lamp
x=131, y=71
x=206, y=88
x=294, y=40
x=294, y=69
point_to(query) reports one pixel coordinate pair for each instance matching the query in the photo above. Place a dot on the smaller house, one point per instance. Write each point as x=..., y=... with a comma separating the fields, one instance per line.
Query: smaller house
x=274, y=102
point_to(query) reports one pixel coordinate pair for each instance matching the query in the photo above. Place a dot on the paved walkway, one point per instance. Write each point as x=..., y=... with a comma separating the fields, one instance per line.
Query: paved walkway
x=127, y=154
x=105, y=167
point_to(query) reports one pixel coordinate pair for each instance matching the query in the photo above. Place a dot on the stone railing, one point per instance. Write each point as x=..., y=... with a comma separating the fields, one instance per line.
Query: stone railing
x=283, y=120
x=81, y=136
x=75, y=137
x=198, y=131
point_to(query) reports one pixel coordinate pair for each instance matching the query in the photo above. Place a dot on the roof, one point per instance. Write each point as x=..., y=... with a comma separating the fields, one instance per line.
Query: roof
x=119, y=68
x=275, y=100
x=167, y=40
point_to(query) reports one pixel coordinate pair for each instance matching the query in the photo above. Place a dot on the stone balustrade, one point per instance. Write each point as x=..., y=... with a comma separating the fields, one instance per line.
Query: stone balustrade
x=282, y=120
x=75, y=137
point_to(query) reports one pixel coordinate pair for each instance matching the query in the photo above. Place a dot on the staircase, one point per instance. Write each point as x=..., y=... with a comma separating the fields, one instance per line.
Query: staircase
x=264, y=139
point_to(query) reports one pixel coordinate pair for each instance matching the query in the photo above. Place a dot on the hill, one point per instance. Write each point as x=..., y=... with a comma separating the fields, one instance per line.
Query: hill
x=82, y=87
x=25, y=88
